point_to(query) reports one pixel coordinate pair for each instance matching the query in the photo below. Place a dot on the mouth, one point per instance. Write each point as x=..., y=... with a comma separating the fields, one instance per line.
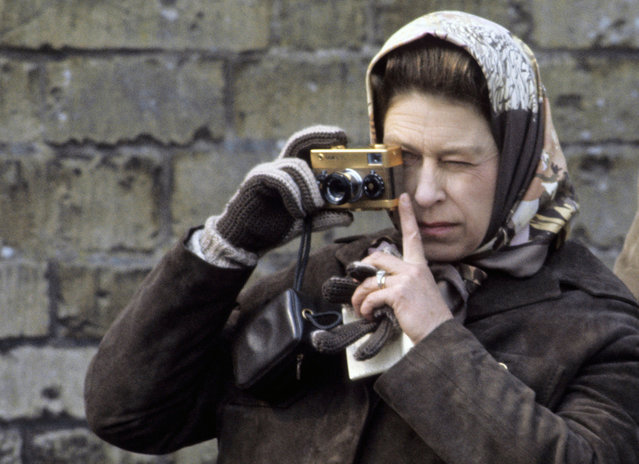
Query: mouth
x=436, y=229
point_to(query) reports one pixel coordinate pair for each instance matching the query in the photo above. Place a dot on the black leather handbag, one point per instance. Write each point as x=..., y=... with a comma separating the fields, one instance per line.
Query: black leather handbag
x=270, y=348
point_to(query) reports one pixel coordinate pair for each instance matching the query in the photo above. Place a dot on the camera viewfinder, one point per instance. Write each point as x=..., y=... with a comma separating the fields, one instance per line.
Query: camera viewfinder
x=375, y=158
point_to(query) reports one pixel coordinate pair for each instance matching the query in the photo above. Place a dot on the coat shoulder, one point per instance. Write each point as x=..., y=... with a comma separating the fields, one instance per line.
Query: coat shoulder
x=575, y=266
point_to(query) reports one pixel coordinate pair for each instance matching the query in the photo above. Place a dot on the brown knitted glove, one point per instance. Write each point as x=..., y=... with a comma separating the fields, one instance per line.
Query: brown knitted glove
x=269, y=208
x=382, y=328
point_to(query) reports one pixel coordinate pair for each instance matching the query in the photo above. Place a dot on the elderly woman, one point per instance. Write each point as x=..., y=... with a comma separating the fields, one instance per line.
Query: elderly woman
x=526, y=348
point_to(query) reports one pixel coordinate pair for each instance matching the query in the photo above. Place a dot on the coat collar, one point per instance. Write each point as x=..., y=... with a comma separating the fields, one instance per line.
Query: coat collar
x=501, y=292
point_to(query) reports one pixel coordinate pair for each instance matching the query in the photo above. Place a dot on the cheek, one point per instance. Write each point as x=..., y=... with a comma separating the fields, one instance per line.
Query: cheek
x=476, y=197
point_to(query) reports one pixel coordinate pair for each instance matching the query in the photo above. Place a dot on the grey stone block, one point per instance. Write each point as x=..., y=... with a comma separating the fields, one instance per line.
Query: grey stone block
x=24, y=300
x=120, y=98
x=302, y=91
x=42, y=381
x=236, y=25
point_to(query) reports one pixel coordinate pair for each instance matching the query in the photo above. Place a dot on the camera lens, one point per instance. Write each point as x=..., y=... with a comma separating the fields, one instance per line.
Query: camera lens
x=373, y=185
x=342, y=186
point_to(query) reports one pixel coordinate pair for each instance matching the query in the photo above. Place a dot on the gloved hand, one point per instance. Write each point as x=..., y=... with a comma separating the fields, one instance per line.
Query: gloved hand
x=382, y=328
x=270, y=205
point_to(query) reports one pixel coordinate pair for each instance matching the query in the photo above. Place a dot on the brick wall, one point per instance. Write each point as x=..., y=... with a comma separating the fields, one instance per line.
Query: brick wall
x=124, y=123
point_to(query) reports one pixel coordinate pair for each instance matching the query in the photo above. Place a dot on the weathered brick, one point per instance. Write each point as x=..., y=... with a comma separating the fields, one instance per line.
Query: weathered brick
x=10, y=446
x=301, y=92
x=19, y=101
x=119, y=98
x=594, y=98
x=74, y=446
x=24, y=300
x=23, y=192
x=106, y=201
x=393, y=14
x=605, y=179
x=83, y=200
x=585, y=23
x=79, y=446
x=205, y=179
x=91, y=296
x=236, y=25
x=318, y=24
x=42, y=381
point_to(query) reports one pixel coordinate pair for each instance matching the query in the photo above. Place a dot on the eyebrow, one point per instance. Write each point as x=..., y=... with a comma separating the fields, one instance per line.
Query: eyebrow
x=455, y=149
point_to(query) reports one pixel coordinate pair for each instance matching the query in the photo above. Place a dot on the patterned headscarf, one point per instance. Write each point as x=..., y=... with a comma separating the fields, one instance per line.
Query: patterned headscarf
x=534, y=200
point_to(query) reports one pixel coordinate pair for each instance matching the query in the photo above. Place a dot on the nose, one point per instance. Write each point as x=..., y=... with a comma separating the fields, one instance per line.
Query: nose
x=429, y=189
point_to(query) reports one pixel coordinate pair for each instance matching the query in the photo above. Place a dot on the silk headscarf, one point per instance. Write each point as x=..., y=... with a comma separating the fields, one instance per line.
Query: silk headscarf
x=534, y=199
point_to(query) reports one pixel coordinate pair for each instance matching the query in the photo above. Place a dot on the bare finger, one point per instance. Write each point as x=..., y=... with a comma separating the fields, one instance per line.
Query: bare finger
x=411, y=237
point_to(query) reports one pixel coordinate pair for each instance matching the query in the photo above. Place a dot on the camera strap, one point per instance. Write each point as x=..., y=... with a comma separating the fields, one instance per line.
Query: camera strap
x=333, y=318
x=302, y=254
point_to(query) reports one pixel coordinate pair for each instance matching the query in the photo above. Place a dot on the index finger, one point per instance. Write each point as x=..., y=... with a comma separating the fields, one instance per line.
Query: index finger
x=411, y=238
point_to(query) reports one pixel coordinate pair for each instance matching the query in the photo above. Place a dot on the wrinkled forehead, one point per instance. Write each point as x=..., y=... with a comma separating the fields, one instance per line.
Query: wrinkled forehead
x=508, y=64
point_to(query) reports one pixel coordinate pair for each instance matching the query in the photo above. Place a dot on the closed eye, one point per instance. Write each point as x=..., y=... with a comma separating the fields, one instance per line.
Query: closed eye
x=456, y=160
x=457, y=163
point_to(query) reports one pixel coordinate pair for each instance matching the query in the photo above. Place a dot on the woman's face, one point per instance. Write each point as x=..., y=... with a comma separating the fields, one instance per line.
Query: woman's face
x=450, y=170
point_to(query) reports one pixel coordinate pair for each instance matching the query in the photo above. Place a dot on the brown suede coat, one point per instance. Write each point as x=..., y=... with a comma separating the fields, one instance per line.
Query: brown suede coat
x=545, y=370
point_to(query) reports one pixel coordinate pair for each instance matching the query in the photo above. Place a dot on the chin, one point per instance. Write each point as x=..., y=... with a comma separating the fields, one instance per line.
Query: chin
x=442, y=255
x=446, y=252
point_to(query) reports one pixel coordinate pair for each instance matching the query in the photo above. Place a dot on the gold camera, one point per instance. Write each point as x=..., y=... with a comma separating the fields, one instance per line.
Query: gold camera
x=359, y=178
